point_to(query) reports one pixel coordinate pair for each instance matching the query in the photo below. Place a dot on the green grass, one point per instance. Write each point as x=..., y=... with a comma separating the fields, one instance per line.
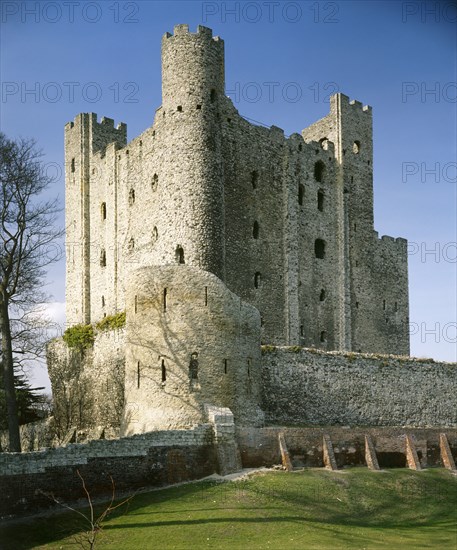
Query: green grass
x=309, y=509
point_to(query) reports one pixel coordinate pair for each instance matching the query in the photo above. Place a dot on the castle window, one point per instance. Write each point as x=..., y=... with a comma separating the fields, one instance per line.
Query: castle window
x=155, y=182
x=103, y=301
x=136, y=304
x=322, y=295
x=324, y=143
x=138, y=375
x=72, y=165
x=301, y=194
x=319, y=171
x=131, y=245
x=155, y=235
x=256, y=230
x=164, y=299
x=225, y=366
x=103, y=258
x=193, y=367
x=103, y=210
x=357, y=305
x=206, y=295
x=179, y=255
x=180, y=108
x=396, y=306
x=254, y=179
x=355, y=227
x=213, y=95
x=164, y=372
x=323, y=336
x=257, y=280
x=320, y=200
x=356, y=147
x=131, y=196
x=319, y=248
x=302, y=332
x=300, y=147
x=384, y=304
x=199, y=107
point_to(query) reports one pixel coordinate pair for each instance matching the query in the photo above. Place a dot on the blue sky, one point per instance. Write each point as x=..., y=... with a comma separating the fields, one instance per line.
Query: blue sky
x=59, y=59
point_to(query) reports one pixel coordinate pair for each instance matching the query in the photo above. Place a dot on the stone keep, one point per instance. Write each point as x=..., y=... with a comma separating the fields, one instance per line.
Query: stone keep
x=286, y=223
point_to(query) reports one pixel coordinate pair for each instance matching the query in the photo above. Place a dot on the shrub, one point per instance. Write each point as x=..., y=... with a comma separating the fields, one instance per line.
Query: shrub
x=112, y=322
x=79, y=336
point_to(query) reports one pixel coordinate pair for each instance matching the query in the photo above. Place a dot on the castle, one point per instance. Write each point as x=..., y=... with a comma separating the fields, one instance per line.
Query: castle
x=215, y=235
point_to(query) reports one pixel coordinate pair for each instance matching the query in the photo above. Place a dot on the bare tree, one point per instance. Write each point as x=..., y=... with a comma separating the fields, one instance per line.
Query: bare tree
x=28, y=235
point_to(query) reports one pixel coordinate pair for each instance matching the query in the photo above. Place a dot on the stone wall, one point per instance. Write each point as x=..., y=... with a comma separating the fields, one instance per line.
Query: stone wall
x=88, y=385
x=310, y=387
x=190, y=342
x=260, y=447
x=152, y=459
x=34, y=436
x=241, y=201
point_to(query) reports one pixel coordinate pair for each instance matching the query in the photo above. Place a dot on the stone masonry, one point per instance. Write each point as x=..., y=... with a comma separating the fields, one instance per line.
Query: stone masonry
x=285, y=223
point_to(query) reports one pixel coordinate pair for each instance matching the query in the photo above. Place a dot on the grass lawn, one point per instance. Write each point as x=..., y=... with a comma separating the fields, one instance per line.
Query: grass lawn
x=309, y=509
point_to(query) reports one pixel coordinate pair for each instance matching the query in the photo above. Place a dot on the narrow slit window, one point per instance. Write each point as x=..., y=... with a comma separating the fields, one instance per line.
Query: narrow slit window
x=103, y=301
x=136, y=303
x=155, y=182
x=131, y=197
x=72, y=164
x=206, y=295
x=164, y=372
x=213, y=95
x=103, y=210
x=138, y=373
x=256, y=230
x=180, y=255
x=103, y=258
x=301, y=194
x=319, y=248
x=225, y=366
x=164, y=299
x=254, y=179
x=319, y=171
x=320, y=200
x=302, y=332
x=323, y=336
x=322, y=295
x=257, y=278
x=384, y=304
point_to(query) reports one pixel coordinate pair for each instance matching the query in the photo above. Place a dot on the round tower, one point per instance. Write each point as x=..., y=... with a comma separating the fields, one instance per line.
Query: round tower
x=189, y=120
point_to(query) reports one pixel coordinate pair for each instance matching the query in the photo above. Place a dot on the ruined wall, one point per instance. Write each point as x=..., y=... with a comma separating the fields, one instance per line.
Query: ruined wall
x=309, y=387
x=149, y=460
x=189, y=342
x=259, y=447
x=88, y=385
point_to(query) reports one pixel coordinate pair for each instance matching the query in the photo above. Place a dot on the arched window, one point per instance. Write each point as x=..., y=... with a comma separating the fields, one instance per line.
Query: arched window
x=179, y=255
x=256, y=230
x=257, y=277
x=320, y=200
x=319, y=248
x=301, y=194
x=356, y=147
x=319, y=171
x=103, y=210
x=323, y=336
x=324, y=143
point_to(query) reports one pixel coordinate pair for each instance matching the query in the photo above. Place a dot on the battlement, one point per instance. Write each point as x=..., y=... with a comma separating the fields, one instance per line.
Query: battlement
x=348, y=103
x=105, y=122
x=183, y=29
x=388, y=239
